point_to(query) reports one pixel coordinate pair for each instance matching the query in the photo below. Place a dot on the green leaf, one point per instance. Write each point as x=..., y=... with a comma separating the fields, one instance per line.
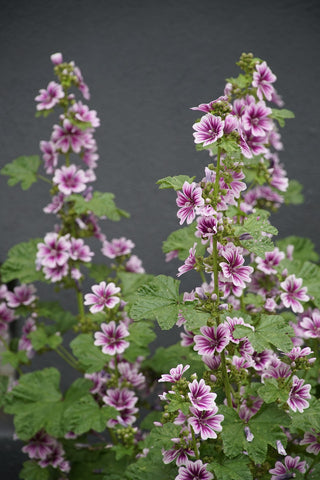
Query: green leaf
x=101, y=204
x=266, y=429
x=293, y=195
x=64, y=320
x=14, y=358
x=270, y=391
x=309, y=418
x=235, y=469
x=4, y=381
x=141, y=335
x=271, y=331
x=256, y=225
x=233, y=436
x=182, y=240
x=40, y=339
x=33, y=401
x=174, y=182
x=122, y=451
x=90, y=357
x=20, y=263
x=161, y=436
x=32, y=471
x=158, y=300
x=304, y=248
x=194, y=318
x=22, y=169
x=130, y=282
x=99, y=273
x=281, y=114
x=85, y=414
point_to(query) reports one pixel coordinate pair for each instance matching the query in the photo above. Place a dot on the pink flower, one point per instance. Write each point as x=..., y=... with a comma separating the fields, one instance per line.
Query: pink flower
x=188, y=200
x=206, y=422
x=111, y=338
x=294, y=293
x=50, y=97
x=103, y=296
x=213, y=339
x=68, y=137
x=262, y=80
x=298, y=395
x=50, y=156
x=177, y=453
x=175, y=374
x=70, y=180
x=194, y=471
x=56, y=58
x=55, y=205
x=310, y=324
x=312, y=439
x=200, y=395
x=233, y=269
x=117, y=247
x=189, y=262
x=287, y=470
x=134, y=265
x=21, y=295
x=80, y=251
x=83, y=114
x=256, y=119
x=54, y=252
x=208, y=130
x=271, y=260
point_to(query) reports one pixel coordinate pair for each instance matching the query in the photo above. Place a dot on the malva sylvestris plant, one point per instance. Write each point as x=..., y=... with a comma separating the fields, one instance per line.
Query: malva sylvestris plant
x=238, y=395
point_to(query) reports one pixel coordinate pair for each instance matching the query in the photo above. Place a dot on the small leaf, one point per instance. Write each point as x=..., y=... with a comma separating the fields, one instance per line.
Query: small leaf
x=174, y=182
x=182, y=240
x=14, y=358
x=158, y=300
x=63, y=320
x=22, y=169
x=32, y=471
x=194, y=318
x=270, y=391
x=40, y=339
x=20, y=263
x=141, y=335
x=293, y=195
x=271, y=331
x=130, y=282
x=90, y=356
x=304, y=248
x=235, y=469
x=101, y=204
x=281, y=114
x=99, y=273
x=309, y=419
x=256, y=225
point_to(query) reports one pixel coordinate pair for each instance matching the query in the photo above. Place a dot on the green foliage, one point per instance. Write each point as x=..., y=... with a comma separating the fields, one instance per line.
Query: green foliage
x=130, y=282
x=141, y=335
x=271, y=331
x=182, y=240
x=15, y=359
x=265, y=427
x=97, y=272
x=20, y=263
x=194, y=318
x=90, y=357
x=34, y=402
x=101, y=204
x=22, y=169
x=293, y=195
x=270, y=391
x=281, y=114
x=158, y=299
x=174, y=182
x=63, y=320
x=32, y=471
x=303, y=248
x=231, y=469
x=256, y=225
x=4, y=381
x=309, y=419
x=41, y=339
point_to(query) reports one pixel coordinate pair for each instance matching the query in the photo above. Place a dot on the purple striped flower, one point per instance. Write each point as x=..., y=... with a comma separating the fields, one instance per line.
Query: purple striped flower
x=310, y=324
x=298, y=395
x=213, y=339
x=54, y=252
x=312, y=439
x=21, y=295
x=194, y=471
x=208, y=130
x=68, y=136
x=189, y=262
x=262, y=80
x=206, y=422
x=291, y=466
x=49, y=97
x=175, y=374
x=233, y=269
x=188, y=199
x=111, y=338
x=271, y=260
x=256, y=119
x=294, y=293
x=200, y=395
x=104, y=295
x=80, y=251
x=70, y=179
x=117, y=247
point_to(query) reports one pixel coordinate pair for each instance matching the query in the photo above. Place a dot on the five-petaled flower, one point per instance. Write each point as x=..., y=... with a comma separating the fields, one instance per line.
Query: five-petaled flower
x=112, y=338
x=104, y=295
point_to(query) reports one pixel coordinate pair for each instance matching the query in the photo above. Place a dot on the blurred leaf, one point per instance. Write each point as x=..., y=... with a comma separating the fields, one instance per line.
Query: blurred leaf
x=182, y=240
x=22, y=169
x=32, y=471
x=304, y=248
x=101, y=204
x=281, y=114
x=293, y=195
x=90, y=357
x=97, y=272
x=235, y=469
x=174, y=182
x=21, y=263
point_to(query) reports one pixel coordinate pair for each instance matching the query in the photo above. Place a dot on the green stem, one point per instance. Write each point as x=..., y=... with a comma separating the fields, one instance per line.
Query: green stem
x=225, y=377
x=62, y=354
x=216, y=183
x=80, y=306
x=41, y=177
x=194, y=442
x=68, y=355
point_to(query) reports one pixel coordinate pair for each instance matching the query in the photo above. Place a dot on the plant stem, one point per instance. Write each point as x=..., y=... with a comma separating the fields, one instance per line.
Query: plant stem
x=195, y=448
x=41, y=177
x=225, y=377
x=80, y=306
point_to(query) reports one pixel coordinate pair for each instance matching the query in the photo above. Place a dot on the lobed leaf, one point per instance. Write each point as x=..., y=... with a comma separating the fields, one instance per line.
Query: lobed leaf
x=21, y=263
x=293, y=195
x=304, y=248
x=101, y=205
x=23, y=169
x=182, y=240
x=175, y=182
x=235, y=469
x=90, y=357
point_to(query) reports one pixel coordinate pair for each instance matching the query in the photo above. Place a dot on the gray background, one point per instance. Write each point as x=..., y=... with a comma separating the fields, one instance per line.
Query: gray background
x=146, y=62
